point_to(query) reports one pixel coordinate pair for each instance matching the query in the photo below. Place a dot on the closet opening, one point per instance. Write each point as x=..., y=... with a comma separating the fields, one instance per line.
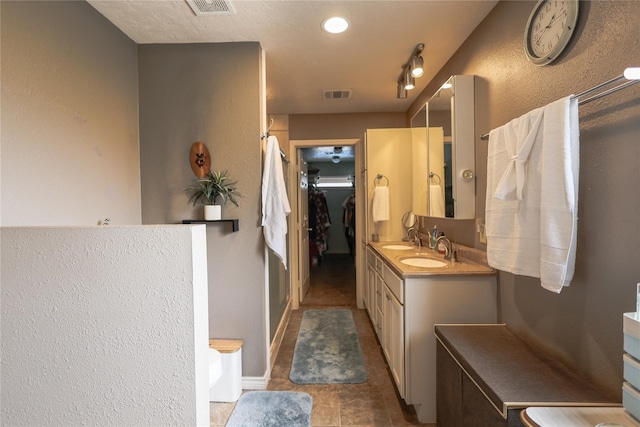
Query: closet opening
x=324, y=226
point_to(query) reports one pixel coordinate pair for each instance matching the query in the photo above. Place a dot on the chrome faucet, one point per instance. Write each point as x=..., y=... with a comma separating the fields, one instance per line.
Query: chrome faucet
x=448, y=254
x=416, y=236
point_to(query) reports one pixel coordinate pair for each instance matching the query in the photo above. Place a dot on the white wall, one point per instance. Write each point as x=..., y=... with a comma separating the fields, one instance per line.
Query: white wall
x=389, y=154
x=69, y=113
x=101, y=326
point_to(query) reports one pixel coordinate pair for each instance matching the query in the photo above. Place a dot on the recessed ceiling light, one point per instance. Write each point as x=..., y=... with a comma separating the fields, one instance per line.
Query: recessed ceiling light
x=335, y=25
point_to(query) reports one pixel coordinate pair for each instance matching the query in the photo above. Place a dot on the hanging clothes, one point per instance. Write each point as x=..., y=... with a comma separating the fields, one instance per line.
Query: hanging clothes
x=349, y=221
x=319, y=220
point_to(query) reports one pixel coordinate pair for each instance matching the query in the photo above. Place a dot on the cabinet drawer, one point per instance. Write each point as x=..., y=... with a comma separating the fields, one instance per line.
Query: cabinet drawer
x=395, y=284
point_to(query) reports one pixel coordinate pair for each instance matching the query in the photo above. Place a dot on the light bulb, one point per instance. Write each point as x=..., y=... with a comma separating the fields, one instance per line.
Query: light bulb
x=335, y=25
x=409, y=81
x=417, y=66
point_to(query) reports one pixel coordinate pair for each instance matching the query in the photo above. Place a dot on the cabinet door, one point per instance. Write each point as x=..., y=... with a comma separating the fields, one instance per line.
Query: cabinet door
x=370, y=284
x=379, y=307
x=393, y=335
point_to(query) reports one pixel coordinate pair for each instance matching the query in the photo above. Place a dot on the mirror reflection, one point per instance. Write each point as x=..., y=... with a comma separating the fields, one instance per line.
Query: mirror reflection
x=439, y=136
x=419, y=169
x=450, y=157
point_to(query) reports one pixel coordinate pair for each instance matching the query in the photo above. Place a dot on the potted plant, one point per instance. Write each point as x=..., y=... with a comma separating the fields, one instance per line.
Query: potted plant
x=213, y=186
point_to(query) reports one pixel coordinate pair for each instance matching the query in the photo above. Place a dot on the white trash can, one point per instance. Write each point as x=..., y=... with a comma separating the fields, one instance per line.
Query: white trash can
x=229, y=387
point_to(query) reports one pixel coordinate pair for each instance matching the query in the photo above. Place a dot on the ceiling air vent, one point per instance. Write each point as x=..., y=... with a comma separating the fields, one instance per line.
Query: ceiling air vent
x=336, y=94
x=211, y=7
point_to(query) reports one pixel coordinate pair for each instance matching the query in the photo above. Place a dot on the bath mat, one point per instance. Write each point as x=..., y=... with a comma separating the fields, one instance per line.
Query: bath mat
x=272, y=409
x=328, y=350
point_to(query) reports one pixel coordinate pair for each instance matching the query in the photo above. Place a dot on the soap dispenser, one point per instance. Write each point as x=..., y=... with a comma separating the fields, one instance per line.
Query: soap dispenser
x=442, y=247
x=434, y=237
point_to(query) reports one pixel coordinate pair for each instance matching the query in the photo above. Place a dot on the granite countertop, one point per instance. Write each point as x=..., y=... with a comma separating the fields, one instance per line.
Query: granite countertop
x=471, y=262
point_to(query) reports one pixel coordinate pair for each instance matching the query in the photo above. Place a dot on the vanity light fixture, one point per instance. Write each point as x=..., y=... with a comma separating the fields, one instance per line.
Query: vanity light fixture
x=409, y=81
x=335, y=25
x=414, y=67
x=335, y=159
x=417, y=66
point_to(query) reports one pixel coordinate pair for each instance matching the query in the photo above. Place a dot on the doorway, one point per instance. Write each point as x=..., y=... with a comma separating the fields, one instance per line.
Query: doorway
x=315, y=247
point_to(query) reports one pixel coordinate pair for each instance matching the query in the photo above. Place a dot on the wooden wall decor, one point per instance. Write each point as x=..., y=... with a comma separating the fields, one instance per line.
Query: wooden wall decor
x=200, y=159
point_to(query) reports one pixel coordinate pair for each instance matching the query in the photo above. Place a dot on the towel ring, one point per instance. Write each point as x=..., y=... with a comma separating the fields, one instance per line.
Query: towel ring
x=379, y=178
x=431, y=175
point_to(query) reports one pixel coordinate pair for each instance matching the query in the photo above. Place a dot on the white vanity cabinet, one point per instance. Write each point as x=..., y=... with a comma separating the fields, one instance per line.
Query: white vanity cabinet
x=412, y=303
x=384, y=296
x=374, y=291
x=393, y=336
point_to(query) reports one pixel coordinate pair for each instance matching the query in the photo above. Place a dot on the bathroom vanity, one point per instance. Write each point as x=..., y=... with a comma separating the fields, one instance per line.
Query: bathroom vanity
x=404, y=302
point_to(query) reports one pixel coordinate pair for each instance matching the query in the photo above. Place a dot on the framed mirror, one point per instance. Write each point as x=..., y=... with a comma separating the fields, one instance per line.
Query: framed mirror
x=450, y=160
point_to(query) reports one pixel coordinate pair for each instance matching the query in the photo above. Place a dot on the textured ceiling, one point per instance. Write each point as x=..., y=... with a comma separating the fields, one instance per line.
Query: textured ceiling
x=302, y=60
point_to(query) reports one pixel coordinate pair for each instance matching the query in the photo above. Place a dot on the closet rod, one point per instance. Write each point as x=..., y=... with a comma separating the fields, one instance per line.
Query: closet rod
x=632, y=75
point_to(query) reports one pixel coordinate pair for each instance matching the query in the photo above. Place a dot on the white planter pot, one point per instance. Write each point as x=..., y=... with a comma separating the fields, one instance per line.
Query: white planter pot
x=212, y=212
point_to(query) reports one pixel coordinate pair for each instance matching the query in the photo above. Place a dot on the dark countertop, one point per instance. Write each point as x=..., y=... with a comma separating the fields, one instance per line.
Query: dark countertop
x=513, y=373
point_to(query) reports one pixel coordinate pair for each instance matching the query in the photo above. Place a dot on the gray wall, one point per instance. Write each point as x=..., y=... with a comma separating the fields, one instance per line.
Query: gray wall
x=69, y=117
x=189, y=93
x=341, y=126
x=582, y=325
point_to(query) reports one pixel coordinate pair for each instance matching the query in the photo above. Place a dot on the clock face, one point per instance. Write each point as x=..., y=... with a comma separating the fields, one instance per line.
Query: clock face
x=549, y=29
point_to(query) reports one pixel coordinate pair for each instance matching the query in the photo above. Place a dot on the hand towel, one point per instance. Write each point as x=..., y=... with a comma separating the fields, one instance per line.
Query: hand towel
x=380, y=204
x=532, y=187
x=436, y=200
x=275, y=203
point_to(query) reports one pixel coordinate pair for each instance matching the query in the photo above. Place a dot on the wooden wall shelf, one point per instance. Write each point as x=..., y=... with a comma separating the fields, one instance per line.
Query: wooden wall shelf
x=234, y=222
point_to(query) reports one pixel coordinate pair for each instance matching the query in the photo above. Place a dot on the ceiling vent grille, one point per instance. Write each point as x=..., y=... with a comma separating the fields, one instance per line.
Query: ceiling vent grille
x=336, y=94
x=211, y=7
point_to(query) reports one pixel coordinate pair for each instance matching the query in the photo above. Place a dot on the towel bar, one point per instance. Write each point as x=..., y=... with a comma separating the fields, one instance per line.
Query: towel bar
x=630, y=74
x=379, y=178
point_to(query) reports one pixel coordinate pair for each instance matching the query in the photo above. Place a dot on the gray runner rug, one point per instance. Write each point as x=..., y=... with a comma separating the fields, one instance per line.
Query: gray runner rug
x=272, y=409
x=328, y=350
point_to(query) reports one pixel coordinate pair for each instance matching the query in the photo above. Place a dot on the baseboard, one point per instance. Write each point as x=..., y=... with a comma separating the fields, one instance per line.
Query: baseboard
x=279, y=335
x=255, y=383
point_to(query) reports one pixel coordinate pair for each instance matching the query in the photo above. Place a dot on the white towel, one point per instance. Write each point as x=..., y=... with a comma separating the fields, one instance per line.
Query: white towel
x=380, y=204
x=436, y=200
x=532, y=194
x=275, y=203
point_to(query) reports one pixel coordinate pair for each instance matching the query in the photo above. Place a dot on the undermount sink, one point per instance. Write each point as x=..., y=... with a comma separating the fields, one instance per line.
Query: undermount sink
x=423, y=262
x=398, y=247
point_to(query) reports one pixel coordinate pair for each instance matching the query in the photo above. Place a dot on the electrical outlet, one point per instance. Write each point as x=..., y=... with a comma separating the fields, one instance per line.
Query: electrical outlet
x=480, y=229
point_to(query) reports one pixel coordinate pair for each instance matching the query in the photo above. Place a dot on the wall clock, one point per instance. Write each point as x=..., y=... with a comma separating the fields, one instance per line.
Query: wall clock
x=549, y=29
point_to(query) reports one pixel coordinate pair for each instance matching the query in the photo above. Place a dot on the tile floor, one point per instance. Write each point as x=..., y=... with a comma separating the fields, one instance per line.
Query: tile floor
x=373, y=403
